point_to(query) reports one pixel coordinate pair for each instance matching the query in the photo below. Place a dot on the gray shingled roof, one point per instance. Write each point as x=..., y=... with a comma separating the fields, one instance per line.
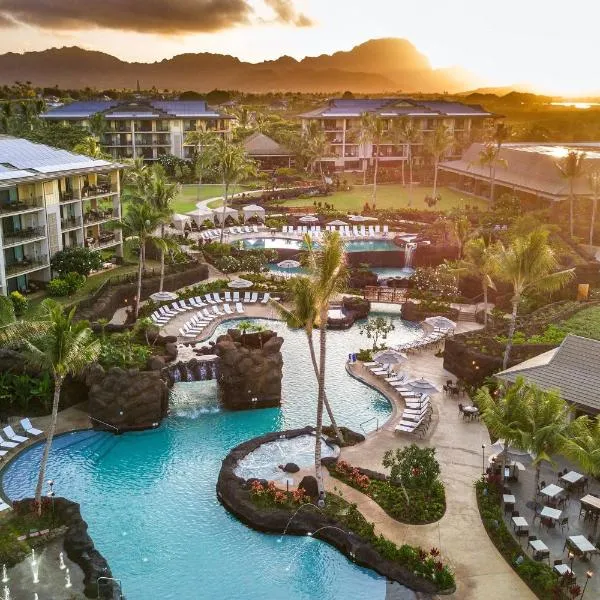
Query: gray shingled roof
x=573, y=369
x=259, y=144
x=530, y=167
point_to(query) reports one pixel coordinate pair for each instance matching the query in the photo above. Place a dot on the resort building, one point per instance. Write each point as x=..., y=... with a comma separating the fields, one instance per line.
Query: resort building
x=525, y=168
x=340, y=121
x=573, y=369
x=51, y=199
x=268, y=154
x=145, y=128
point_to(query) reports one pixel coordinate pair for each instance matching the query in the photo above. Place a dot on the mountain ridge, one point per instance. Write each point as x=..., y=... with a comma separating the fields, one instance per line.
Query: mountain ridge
x=375, y=66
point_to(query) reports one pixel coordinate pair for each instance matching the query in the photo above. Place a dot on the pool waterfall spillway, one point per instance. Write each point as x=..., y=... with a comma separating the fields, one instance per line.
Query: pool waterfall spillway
x=203, y=368
x=409, y=253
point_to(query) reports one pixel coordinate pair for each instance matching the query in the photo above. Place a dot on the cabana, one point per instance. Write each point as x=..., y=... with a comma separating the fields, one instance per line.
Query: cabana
x=181, y=222
x=253, y=211
x=201, y=214
x=229, y=212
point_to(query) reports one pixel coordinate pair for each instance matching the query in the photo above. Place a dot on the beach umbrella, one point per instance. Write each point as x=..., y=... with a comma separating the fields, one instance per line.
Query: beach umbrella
x=422, y=385
x=361, y=218
x=512, y=454
x=238, y=284
x=338, y=223
x=308, y=219
x=389, y=357
x=163, y=296
x=288, y=264
x=440, y=322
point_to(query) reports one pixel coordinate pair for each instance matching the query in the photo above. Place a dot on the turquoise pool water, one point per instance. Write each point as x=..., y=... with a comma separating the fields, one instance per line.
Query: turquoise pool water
x=286, y=244
x=149, y=497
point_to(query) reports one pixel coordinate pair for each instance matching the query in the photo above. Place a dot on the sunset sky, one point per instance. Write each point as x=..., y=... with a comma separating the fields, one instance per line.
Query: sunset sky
x=551, y=44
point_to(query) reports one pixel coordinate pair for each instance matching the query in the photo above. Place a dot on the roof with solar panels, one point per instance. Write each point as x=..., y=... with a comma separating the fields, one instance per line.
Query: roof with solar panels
x=395, y=107
x=142, y=109
x=22, y=161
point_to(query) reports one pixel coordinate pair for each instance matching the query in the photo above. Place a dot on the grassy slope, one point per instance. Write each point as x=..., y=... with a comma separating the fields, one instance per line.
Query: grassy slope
x=585, y=323
x=189, y=196
x=391, y=196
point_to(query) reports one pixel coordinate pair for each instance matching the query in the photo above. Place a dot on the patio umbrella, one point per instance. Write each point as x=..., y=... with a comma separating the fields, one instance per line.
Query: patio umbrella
x=337, y=223
x=163, y=296
x=422, y=385
x=361, y=219
x=288, y=264
x=512, y=454
x=308, y=219
x=238, y=284
x=440, y=322
x=389, y=357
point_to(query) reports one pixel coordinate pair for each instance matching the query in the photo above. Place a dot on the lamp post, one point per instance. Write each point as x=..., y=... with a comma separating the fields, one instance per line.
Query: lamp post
x=571, y=558
x=588, y=576
x=483, y=459
x=51, y=495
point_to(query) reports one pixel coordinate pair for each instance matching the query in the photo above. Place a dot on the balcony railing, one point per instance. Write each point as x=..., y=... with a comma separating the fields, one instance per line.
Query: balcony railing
x=25, y=264
x=91, y=191
x=103, y=240
x=22, y=205
x=69, y=196
x=28, y=233
x=96, y=216
x=70, y=223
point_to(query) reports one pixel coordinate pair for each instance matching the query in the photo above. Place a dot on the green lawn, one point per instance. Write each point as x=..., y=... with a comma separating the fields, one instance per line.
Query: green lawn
x=191, y=194
x=391, y=196
x=585, y=323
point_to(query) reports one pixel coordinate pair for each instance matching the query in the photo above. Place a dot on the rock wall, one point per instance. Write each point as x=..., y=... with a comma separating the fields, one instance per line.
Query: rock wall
x=250, y=369
x=126, y=399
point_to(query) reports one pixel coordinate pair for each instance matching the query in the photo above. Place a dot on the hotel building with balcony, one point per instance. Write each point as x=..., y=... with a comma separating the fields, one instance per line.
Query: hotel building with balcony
x=340, y=121
x=145, y=128
x=51, y=199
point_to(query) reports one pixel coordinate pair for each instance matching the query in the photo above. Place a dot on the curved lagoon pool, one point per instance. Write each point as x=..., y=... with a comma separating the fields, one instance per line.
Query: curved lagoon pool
x=149, y=497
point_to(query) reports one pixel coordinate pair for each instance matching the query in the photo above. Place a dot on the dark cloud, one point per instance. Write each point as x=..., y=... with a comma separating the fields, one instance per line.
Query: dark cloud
x=147, y=16
x=286, y=13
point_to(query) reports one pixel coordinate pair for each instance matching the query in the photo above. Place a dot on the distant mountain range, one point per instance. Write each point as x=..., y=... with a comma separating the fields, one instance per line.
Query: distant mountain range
x=383, y=65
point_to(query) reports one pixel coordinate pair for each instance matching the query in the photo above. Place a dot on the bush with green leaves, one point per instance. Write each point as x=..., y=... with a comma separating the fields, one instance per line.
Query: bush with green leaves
x=76, y=260
x=25, y=393
x=121, y=350
x=65, y=286
x=412, y=466
x=376, y=328
x=19, y=302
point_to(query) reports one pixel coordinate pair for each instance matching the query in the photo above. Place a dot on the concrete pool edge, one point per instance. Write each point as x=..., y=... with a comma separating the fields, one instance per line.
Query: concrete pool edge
x=234, y=495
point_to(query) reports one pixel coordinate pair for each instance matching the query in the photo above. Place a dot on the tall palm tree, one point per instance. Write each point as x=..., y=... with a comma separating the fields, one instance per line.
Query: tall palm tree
x=528, y=264
x=232, y=165
x=66, y=348
x=462, y=231
x=479, y=261
x=316, y=147
x=489, y=158
x=97, y=125
x=545, y=427
x=571, y=168
x=373, y=131
x=327, y=270
x=407, y=133
x=583, y=444
x=437, y=145
x=303, y=294
x=203, y=141
x=161, y=197
x=594, y=181
x=139, y=223
x=504, y=415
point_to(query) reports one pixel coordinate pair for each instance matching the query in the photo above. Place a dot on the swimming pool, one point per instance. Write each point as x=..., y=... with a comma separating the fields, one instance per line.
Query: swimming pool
x=288, y=244
x=149, y=497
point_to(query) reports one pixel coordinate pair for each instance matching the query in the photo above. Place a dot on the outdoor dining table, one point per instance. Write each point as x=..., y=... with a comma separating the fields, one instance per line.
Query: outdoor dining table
x=551, y=514
x=581, y=543
x=552, y=490
x=572, y=477
x=538, y=546
x=508, y=499
x=519, y=522
x=591, y=502
x=563, y=569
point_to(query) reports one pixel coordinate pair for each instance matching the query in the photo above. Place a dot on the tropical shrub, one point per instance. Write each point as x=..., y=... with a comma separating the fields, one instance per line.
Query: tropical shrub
x=25, y=393
x=76, y=260
x=120, y=350
x=19, y=302
x=65, y=286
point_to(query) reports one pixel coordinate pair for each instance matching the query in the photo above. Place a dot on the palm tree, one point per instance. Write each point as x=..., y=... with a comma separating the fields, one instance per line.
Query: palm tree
x=583, y=444
x=303, y=294
x=373, y=131
x=66, y=348
x=408, y=134
x=594, y=181
x=489, y=157
x=462, y=232
x=571, y=168
x=139, y=223
x=327, y=270
x=479, y=261
x=545, y=427
x=504, y=415
x=233, y=165
x=203, y=141
x=90, y=147
x=437, y=145
x=161, y=197
x=529, y=265
x=97, y=125
x=316, y=147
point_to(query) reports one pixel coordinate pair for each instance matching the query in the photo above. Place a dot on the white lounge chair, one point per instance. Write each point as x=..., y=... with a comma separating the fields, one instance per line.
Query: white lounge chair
x=217, y=311
x=266, y=298
x=254, y=297
x=209, y=299
x=29, y=428
x=239, y=307
x=255, y=228
x=228, y=296
x=165, y=310
x=236, y=297
x=217, y=298
x=6, y=444
x=227, y=309
x=206, y=315
x=9, y=432
x=184, y=333
x=246, y=297
x=185, y=306
x=175, y=306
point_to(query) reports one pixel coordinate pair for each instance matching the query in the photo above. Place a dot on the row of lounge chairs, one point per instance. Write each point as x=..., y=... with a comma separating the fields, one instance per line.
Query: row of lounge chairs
x=215, y=234
x=435, y=337
x=194, y=327
x=416, y=416
x=164, y=314
x=355, y=231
